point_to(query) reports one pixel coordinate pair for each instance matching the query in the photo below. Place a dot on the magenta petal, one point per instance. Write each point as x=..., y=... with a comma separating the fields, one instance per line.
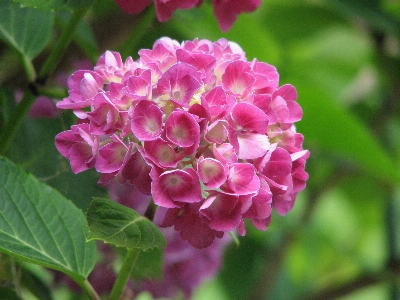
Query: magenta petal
x=279, y=166
x=223, y=211
x=80, y=156
x=242, y=179
x=212, y=172
x=250, y=117
x=137, y=171
x=287, y=92
x=111, y=157
x=217, y=132
x=161, y=153
x=295, y=112
x=180, y=82
x=182, y=129
x=182, y=186
x=146, y=121
x=191, y=226
x=252, y=145
x=237, y=78
x=64, y=141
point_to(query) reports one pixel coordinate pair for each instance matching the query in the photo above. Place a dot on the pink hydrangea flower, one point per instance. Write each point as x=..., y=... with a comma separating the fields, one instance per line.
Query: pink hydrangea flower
x=225, y=11
x=207, y=133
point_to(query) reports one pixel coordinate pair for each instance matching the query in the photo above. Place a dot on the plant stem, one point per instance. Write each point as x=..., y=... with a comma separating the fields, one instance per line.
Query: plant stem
x=29, y=69
x=62, y=44
x=124, y=274
x=89, y=290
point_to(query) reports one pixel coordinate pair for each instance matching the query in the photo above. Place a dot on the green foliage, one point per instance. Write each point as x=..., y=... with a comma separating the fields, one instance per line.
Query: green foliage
x=39, y=225
x=19, y=27
x=121, y=226
x=70, y=5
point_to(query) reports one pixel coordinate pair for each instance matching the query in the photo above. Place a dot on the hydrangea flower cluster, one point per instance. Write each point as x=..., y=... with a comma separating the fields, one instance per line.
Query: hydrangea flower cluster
x=225, y=11
x=208, y=134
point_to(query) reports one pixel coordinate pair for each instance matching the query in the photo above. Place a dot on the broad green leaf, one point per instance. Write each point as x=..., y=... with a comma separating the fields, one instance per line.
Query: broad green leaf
x=39, y=225
x=71, y=5
x=27, y=30
x=121, y=226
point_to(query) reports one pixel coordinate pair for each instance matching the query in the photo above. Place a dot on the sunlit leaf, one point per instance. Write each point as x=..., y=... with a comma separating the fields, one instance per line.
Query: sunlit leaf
x=39, y=225
x=27, y=30
x=121, y=226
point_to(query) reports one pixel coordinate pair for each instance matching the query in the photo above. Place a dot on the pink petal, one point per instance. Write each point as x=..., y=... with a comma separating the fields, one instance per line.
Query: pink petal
x=250, y=117
x=242, y=179
x=222, y=210
x=80, y=157
x=217, y=132
x=212, y=172
x=111, y=157
x=252, y=145
x=173, y=188
x=146, y=121
x=182, y=129
x=161, y=153
x=137, y=171
x=237, y=78
x=180, y=82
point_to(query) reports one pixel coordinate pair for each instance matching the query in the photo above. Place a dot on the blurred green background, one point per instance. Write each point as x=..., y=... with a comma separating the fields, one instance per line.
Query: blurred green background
x=341, y=240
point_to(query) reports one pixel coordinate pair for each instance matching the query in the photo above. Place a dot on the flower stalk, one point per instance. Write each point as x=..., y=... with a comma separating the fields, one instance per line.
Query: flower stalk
x=124, y=274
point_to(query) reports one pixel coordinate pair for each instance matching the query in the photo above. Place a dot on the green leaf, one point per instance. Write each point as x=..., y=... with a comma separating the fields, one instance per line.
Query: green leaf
x=119, y=225
x=70, y=5
x=149, y=264
x=27, y=30
x=39, y=225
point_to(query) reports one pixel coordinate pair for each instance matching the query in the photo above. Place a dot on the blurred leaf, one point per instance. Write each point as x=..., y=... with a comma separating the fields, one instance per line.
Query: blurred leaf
x=149, y=264
x=121, y=226
x=35, y=285
x=39, y=225
x=71, y=5
x=83, y=37
x=27, y=30
x=8, y=294
x=328, y=125
x=370, y=11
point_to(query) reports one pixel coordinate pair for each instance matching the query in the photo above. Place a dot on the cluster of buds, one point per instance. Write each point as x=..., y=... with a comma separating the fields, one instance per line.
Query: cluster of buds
x=225, y=11
x=208, y=134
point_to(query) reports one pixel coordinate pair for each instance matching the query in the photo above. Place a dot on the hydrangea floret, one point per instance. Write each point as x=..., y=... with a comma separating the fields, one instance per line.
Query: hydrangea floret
x=207, y=133
x=225, y=11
